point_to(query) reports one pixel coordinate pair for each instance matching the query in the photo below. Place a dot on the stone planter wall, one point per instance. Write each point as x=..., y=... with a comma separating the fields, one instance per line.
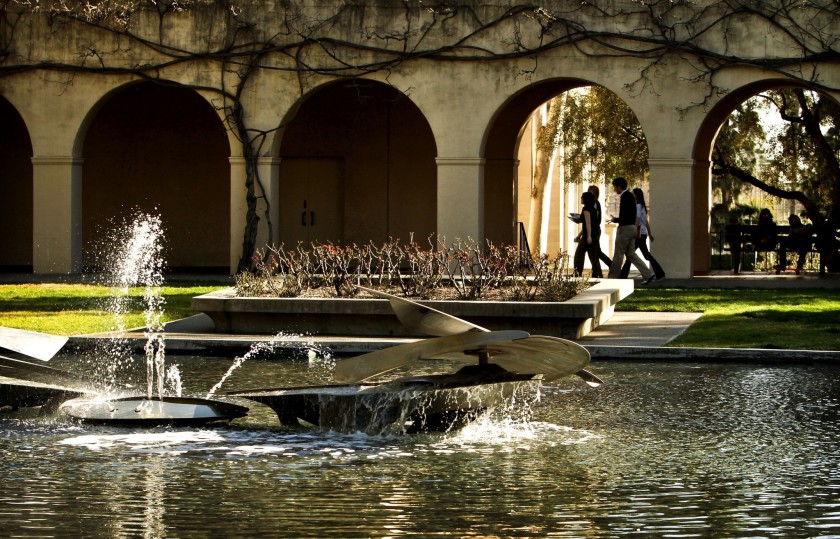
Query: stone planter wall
x=373, y=317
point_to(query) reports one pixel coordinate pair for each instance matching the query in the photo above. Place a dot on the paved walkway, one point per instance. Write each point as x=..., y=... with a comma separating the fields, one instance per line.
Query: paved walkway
x=726, y=279
x=627, y=328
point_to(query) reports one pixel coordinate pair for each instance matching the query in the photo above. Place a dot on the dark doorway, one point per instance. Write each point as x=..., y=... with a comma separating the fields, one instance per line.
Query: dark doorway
x=15, y=191
x=160, y=149
x=357, y=164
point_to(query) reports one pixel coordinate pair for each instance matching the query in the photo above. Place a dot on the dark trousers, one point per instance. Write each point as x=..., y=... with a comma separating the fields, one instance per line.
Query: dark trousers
x=594, y=252
x=604, y=258
x=641, y=245
x=797, y=245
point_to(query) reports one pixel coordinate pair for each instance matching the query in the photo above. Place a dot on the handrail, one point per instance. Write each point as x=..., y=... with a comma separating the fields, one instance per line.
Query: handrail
x=524, y=248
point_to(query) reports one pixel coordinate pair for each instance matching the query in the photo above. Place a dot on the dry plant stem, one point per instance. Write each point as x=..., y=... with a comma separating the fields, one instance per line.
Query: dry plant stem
x=459, y=271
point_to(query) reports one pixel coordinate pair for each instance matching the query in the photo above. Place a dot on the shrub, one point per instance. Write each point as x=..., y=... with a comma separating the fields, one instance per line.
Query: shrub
x=464, y=269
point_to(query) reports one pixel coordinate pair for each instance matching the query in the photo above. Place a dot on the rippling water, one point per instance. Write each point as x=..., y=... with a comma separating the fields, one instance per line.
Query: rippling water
x=662, y=450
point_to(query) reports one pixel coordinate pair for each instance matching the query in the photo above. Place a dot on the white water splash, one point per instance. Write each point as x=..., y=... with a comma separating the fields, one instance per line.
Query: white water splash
x=317, y=356
x=255, y=350
x=173, y=380
x=172, y=442
x=133, y=258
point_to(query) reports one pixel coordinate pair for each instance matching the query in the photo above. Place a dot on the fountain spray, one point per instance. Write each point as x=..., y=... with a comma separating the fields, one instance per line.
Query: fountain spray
x=137, y=261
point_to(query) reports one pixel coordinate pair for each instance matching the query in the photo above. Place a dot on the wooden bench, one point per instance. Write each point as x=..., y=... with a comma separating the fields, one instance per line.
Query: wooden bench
x=739, y=238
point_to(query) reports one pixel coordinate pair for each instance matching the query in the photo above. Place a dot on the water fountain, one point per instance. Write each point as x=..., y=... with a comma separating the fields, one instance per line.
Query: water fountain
x=137, y=261
x=318, y=357
x=673, y=448
x=501, y=366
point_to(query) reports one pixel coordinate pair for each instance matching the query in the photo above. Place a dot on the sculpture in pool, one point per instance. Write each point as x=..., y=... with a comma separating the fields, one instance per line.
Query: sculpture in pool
x=501, y=367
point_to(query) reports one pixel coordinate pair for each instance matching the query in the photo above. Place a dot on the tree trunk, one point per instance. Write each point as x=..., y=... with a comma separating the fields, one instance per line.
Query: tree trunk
x=540, y=202
x=546, y=151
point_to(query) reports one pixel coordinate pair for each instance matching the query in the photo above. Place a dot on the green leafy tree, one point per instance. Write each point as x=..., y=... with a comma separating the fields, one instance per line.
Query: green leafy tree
x=603, y=138
x=802, y=161
x=804, y=156
x=600, y=138
x=740, y=138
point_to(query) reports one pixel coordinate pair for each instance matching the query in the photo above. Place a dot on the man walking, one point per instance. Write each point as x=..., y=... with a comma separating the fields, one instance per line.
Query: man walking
x=628, y=232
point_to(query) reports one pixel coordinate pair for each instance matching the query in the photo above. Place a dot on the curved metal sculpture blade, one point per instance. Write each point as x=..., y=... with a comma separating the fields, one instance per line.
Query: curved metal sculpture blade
x=356, y=369
x=157, y=410
x=35, y=372
x=31, y=343
x=552, y=357
x=589, y=378
x=422, y=319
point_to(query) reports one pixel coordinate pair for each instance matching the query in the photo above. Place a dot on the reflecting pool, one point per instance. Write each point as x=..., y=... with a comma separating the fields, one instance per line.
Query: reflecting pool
x=662, y=450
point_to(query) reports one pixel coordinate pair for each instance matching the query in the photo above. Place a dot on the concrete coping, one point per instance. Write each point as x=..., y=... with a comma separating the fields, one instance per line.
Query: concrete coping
x=344, y=316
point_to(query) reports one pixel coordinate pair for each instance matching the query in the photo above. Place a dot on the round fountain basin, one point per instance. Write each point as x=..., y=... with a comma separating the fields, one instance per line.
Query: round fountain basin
x=154, y=411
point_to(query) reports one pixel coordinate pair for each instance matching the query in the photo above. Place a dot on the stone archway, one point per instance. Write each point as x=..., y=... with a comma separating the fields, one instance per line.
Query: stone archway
x=357, y=164
x=15, y=191
x=507, y=146
x=500, y=154
x=162, y=149
x=702, y=151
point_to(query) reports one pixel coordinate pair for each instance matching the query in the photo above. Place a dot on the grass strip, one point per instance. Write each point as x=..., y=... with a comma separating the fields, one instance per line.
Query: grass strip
x=794, y=319
x=77, y=309
x=790, y=319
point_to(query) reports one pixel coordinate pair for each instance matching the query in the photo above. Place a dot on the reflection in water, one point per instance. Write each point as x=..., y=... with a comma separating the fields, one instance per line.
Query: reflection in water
x=660, y=450
x=155, y=508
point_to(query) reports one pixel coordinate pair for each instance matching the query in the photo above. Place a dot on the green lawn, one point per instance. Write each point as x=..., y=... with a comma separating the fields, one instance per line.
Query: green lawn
x=796, y=319
x=75, y=309
x=807, y=319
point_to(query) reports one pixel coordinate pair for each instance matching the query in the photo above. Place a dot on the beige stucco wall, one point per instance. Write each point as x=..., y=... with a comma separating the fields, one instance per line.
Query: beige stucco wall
x=467, y=106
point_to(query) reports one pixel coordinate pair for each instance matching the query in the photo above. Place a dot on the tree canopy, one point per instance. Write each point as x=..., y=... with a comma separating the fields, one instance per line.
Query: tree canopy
x=799, y=157
x=603, y=138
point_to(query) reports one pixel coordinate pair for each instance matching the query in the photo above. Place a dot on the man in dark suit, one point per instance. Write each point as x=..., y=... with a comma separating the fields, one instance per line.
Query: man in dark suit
x=628, y=232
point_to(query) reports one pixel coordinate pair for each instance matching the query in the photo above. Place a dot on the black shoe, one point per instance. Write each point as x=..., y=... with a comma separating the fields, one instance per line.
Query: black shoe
x=649, y=280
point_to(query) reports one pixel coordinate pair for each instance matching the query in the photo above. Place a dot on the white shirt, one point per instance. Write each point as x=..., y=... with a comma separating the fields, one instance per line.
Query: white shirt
x=641, y=215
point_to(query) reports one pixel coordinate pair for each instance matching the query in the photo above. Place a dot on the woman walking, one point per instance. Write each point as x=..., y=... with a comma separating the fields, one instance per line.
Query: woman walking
x=589, y=240
x=643, y=223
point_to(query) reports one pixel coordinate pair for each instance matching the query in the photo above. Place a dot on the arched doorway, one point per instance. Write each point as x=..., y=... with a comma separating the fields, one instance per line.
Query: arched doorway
x=747, y=127
x=15, y=191
x=161, y=149
x=357, y=164
x=591, y=124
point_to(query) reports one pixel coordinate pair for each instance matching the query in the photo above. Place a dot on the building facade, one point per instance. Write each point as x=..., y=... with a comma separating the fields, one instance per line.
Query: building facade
x=251, y=123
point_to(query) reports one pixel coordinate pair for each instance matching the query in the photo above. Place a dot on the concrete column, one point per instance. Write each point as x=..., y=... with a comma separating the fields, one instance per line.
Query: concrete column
x=701, y=258
x=500, y=200
x=677, y=209
x=269, y=171
x=57, y=214
x=238, y=209
x=267, y=191
x=460, y=198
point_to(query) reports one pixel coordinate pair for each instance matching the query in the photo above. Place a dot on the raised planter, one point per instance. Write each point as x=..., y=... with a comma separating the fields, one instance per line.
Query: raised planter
x=373, y=317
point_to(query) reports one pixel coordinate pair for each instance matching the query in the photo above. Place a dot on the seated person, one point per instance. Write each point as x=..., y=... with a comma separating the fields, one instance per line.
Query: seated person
x=827, y=244
x=798, y=241
x=765, y=237
x=733, y=238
